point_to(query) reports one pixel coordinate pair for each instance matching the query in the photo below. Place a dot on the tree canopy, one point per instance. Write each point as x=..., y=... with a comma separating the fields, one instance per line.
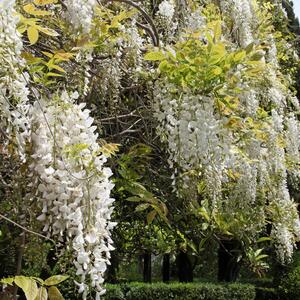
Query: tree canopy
x=183, y=115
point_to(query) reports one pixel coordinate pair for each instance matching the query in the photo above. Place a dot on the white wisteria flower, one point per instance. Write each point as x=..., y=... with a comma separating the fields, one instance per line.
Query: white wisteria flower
x=80, y=13
x=14, y=103
x=166, y=9
x=73, y=184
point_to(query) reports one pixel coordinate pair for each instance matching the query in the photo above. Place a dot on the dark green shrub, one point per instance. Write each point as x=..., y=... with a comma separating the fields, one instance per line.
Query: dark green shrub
x=289, y=286
x=188, y=291
x=114, y=292
x=263, y=293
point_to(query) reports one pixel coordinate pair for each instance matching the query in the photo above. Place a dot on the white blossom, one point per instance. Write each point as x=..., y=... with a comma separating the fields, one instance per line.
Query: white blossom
x=166, y=9
x=73, y=184
x=241, y=12
x=80, y=13
x=14, y=103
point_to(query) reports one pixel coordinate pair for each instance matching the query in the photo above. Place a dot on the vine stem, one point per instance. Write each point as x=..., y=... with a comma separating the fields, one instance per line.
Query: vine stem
x=26, y=229
x=19, y=260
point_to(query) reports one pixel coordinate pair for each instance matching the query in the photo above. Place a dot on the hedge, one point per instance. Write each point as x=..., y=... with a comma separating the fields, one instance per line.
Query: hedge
x=264, y=293
x=289, y=284
x=179, y=291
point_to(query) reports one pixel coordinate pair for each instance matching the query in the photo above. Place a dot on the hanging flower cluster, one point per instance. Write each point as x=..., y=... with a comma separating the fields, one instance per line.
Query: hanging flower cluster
x=166, y=9
x=286, y=222
x=73, y=184
x=192, y=131
x=80, y=13
x=242, y=13
x=67, y=170
x=229, y=140
x=13, y=91
x=228, y=130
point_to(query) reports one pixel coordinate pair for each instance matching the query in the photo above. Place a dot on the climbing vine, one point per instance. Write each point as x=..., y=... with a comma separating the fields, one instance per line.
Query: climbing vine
x=208, y=77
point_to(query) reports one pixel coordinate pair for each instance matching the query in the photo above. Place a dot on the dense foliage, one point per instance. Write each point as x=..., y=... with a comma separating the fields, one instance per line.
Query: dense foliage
x=183, y=115
x=178, y=291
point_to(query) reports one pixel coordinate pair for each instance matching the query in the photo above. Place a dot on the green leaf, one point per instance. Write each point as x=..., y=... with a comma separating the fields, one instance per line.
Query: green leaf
x=204, y=214
x=154, y=56
x=164, y=66
x=257, y=56
x=202, y=243
x=56, y=279
x=54, y=293
x=262, y=256
x=142, y=207
x=264, y=239
x=52, y=74
x=201, y=187
x=192, y=245
x=32, y=34
x=249, y=48
x=204, y=226
x=28, y=285
x=150, y=217
x=134, y=199
x=161, y=214
x=42, y=294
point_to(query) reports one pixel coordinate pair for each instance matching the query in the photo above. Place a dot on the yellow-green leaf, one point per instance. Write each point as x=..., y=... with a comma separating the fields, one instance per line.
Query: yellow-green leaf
x=264, y=239
x=22, y=28
x=7, y=280
x=109, y=149
x=217, y=30
x=28, y=285
x=217, y=71
x=52, y=74
x=47, y=31
x=31, y=9
x=239, y=56
x=44, y=2
x=33, y=35
x=56, y=67
x=204, y=214
x=29, y=21
x=56, y=279
x=48, y=54
x=64, y=55
x=154, y=56
x=122, y=16
x=54, y=293
x=42, y=294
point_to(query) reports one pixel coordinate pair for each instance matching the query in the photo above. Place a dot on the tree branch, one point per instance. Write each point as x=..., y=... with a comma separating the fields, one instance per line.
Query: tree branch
x=25, y=229
x=153, y=32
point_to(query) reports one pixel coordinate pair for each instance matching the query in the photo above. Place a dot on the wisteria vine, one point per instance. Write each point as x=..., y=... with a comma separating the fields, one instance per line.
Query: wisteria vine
x=236, y=133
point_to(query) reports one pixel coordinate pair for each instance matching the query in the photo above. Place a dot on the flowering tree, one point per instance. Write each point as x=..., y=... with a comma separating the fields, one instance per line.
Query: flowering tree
x=212, y=90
